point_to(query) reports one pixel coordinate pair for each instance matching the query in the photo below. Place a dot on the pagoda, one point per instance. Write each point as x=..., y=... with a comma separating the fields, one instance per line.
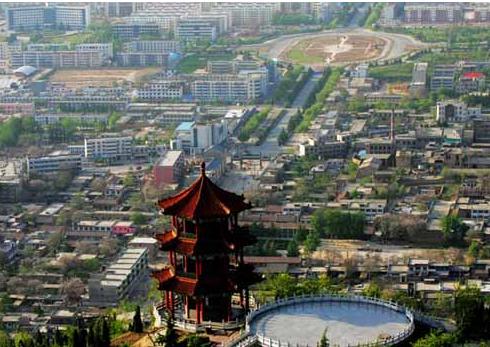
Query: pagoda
x=205, y=251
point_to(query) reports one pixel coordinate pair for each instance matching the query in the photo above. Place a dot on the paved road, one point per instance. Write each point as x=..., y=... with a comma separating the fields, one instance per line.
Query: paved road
x=270, y=145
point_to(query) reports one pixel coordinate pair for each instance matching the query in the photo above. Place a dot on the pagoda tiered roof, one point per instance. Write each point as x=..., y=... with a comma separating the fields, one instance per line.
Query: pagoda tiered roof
x=203, y=199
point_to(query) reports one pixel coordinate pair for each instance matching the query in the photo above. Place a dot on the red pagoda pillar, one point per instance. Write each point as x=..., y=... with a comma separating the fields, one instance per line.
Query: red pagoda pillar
x=205, y=246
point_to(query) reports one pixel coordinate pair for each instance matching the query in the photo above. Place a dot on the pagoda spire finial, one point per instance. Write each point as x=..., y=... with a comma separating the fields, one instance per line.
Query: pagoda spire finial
x=203, y=168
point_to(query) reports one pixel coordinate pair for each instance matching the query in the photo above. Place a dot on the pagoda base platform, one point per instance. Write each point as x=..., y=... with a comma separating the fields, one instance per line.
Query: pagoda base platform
x=160, y=314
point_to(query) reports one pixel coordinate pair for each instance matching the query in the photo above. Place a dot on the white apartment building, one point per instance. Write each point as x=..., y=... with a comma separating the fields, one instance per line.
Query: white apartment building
x=251, y=14
x=57, y=59
x=53, y=118
x=456, y=111
x=110, y=147
x=120, y=278
x=163, y=113
x=195, y=138
x=161, y=90
x=105, y=48
x=371, y=208
x=40, y=17
x=53, y=163
x=243, y=87
x=195, y=30
x=153, y=46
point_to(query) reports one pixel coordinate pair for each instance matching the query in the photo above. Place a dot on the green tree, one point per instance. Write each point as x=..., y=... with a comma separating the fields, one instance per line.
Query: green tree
x=372, y=290
x=283, y=137
x=472, y=318
x=137, y=325
x=454, y=229
x=138, y=218
x=436, y=339
x=5, y=340
x=23, y=339
x=293, y=249
x=324, y=342
x=312, y=241
x=170, y=337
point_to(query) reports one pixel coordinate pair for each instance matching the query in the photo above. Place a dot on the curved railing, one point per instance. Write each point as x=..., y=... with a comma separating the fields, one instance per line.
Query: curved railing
x=272, y=342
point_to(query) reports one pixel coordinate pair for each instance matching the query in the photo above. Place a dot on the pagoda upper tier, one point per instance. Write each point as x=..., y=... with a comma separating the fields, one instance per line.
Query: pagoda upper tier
x=203, y=199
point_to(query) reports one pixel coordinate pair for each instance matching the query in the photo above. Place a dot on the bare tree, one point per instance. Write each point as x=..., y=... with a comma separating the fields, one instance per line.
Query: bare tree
x=108, y=247
x=73, y=290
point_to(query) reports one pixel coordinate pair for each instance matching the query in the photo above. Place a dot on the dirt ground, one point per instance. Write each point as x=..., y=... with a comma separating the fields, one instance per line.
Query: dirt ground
x=334, y=49
x=336, y=251
x=73, y=78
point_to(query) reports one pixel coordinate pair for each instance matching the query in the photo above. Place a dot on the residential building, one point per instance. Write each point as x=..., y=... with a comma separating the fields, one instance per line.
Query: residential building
x=54, y=163
x=455, y=111
x=371, y=208
x=142, y=59
x=163, y=113
x=196, y=30
x=196, y=137
x=153, y=46
x=245, y=86
x=41, y=17
x=170, y=168
x=95, y=230
x=105, y=48
x=109, y=147
x=322, y=149
x=231, y=67
x=58, y=59
x=120, y=278
x=252, y=14
x=161, y=90
x=360, y=71
x=54, y=118
x=472, y=81
x=419, y=78
x=132, y=31
x=443, y=77
x=433, y=13
x=118, y=9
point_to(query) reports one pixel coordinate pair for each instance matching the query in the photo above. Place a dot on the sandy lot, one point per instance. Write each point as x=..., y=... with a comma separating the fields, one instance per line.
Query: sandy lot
x=100, y=77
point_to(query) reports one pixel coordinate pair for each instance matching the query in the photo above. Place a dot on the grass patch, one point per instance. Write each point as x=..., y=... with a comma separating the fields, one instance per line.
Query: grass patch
x=192, y=62
x=299, y=55
x=392, y=73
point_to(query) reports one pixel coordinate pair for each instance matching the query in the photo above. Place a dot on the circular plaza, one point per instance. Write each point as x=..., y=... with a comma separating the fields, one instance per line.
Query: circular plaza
x=347, y=321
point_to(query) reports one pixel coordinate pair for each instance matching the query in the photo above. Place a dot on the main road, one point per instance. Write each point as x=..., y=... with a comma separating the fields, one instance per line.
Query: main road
x=270, y=146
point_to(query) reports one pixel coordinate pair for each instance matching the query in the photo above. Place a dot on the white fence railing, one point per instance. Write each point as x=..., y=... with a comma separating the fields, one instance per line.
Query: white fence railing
x=248, y=338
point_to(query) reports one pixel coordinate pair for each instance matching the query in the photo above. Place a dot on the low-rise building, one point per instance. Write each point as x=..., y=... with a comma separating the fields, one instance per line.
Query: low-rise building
x=170, y=168
x=53, y=163
x=120, y=279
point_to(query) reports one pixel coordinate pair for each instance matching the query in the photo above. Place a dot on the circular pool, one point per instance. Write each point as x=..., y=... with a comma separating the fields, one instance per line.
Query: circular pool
x=347, y=320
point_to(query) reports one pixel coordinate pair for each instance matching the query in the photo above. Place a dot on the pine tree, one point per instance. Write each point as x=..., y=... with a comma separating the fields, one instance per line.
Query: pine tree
x=91, y=336
x=137, y=325
x=75, y=338
x=106, y=333
x=324, y=340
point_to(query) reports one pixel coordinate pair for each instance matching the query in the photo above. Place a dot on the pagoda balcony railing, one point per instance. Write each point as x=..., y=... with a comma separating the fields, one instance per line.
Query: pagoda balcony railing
x=187, y=235
x=191, y=325
x=191, y=275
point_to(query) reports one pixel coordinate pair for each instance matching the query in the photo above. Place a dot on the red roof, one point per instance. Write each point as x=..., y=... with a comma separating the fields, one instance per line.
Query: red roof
x=203, y=199
x=473, y=75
